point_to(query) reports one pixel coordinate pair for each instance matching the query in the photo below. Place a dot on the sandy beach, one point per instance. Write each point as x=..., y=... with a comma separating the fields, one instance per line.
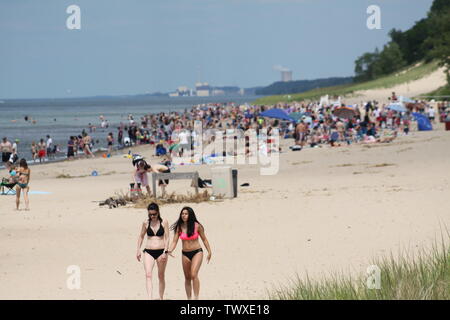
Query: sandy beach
x=327, y=209
x=410, y=89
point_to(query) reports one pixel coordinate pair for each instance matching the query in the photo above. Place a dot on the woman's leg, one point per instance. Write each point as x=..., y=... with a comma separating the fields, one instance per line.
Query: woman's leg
x=187, y=275
x=25, y=197
x=17, y=197
x=161, y=276
x=195, y=267
x=149, y=263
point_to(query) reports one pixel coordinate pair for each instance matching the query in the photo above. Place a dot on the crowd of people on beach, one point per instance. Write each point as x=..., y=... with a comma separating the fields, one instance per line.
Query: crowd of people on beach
x=316, y=125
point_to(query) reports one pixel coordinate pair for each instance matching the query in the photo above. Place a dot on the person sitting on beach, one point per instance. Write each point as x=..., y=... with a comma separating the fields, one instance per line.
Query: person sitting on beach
x=388, y=136
x=160, y=149
x=188, y=229
x=13, y=175
x=23, y=183
x=156, y=249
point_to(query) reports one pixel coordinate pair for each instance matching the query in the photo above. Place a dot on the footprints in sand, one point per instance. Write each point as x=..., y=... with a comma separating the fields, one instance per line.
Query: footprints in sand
x=296, y=163
x=367, y=166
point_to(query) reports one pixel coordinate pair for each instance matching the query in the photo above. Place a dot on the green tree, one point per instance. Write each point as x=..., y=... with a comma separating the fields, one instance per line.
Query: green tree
x=391, y=60
x=439, y=6
x=439, y=40
x=364, y=66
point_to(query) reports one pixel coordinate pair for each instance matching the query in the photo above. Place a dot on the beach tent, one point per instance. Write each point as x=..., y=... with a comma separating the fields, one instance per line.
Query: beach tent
x=277, y=114
x=423, y=123
x=399, y=107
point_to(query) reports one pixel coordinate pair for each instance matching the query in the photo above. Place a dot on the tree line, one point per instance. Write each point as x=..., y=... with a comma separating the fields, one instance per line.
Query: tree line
x=427, y=40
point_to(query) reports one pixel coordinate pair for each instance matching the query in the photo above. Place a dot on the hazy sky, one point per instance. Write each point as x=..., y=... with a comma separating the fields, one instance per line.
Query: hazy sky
x=139, y=46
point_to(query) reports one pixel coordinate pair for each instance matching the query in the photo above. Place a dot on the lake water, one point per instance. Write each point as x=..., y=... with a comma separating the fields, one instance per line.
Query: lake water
x=61, y=118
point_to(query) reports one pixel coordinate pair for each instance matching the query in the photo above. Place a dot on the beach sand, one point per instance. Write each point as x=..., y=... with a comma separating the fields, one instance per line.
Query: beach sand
x=327, y=210
x=411, y=89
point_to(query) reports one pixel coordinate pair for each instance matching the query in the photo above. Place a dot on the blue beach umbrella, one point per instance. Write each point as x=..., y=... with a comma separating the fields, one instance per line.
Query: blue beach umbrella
x=399, y=107
x=277, y=114
x=406, y=99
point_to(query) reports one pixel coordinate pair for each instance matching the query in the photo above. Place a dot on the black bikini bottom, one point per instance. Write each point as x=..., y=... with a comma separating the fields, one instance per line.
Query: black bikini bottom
x=191, y=254
x=154, y=253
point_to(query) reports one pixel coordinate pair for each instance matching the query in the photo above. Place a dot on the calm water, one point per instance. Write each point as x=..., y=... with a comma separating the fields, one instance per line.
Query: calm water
x=63, y=118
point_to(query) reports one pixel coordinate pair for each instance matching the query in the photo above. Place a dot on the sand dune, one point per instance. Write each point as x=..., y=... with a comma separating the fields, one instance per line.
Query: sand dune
x=427, y=84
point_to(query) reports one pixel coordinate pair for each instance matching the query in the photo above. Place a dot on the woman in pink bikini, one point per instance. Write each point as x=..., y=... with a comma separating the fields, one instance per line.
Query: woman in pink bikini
x=188, y=229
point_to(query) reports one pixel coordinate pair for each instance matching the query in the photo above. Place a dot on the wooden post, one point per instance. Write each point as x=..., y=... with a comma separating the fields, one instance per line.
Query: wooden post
x=196, y=182
x=154, y=184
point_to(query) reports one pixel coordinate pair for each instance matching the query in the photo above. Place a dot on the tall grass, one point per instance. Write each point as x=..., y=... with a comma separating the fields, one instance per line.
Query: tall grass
x=406, y=75
x=425, y=276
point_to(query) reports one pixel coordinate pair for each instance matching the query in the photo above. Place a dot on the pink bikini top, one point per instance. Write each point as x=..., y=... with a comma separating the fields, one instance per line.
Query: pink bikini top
x=184, y=236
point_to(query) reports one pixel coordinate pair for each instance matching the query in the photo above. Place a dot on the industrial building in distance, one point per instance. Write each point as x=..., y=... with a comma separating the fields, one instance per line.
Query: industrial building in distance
x=203, y=89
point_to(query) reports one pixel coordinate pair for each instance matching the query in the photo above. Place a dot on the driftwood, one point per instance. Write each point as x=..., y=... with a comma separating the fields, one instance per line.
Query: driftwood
x=113, y=203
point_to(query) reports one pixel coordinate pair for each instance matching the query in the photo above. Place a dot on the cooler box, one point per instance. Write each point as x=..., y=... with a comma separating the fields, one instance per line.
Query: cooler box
x=222, y=182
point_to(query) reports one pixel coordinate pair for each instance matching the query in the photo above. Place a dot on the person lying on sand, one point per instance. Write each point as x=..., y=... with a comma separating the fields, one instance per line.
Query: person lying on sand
x=388, y=136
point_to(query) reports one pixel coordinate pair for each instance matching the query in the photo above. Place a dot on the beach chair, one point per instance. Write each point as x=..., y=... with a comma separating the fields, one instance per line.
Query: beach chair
x=9, y=187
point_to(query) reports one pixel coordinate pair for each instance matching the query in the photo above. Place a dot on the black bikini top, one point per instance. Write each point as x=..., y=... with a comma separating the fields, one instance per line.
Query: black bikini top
x=159, y=233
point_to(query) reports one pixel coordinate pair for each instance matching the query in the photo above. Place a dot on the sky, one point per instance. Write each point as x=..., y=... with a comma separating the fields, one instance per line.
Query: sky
x=146, y=46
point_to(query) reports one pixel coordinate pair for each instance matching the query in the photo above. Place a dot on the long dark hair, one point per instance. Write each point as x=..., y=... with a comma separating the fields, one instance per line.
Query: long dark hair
x=154, y=207
x=192, y=219
x=23, y=163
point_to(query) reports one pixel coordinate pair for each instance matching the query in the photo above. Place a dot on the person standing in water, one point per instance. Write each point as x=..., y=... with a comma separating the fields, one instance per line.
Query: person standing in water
x=110, y=140
x=157, y=230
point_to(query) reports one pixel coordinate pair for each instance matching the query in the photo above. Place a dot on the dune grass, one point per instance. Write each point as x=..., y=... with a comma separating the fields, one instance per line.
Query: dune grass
x=403, y=76
x=440, y=94
x=425, y=276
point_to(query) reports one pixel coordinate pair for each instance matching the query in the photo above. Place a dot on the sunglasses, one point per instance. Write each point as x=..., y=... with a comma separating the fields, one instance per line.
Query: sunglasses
x=153, y=214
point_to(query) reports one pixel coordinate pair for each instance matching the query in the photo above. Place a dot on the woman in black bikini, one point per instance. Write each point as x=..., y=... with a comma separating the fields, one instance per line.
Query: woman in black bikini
x=157, y=230
x=24, y=180
x=188, y=229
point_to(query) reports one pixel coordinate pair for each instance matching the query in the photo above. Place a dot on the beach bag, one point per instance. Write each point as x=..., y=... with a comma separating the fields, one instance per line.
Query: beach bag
x=295, y=148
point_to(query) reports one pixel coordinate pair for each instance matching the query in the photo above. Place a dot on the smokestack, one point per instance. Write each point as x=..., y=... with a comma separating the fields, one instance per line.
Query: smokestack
x=286, y=74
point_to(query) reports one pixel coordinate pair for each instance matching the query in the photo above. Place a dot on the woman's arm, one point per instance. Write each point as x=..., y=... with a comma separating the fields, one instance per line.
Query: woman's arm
x=166, y=235
x=201, y=232
x=140, y=240
x=174, y=242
